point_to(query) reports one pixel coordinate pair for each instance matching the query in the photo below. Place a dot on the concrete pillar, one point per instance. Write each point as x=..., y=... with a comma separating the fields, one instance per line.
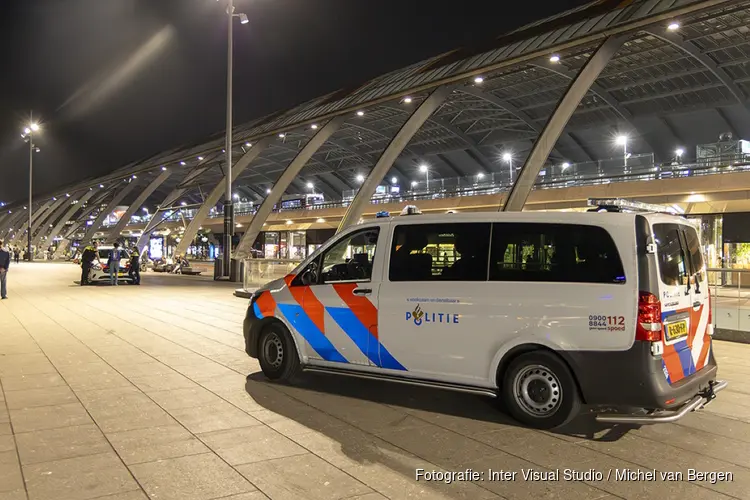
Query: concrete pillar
x=119, y=196
x=114, y=233
x=52, y=214
x=13, y=218
x=283, y=182
x=168, y=201
x=391, y=153
x=20, y=236
x=72, y=209
x=579, y=86
x=213, y=198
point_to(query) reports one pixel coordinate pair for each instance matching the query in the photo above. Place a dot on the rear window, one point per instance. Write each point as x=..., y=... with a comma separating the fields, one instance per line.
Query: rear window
x=673, y=264
x=694, y=248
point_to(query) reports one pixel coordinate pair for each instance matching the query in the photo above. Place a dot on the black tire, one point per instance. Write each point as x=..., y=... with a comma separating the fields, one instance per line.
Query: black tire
x=539, y=390
x=277, y=353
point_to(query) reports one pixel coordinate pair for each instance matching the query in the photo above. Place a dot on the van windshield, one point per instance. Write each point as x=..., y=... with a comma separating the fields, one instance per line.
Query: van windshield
x=694, y=248
x=673, y=266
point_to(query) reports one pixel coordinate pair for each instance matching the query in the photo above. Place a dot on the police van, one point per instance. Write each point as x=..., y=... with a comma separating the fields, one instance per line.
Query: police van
x=545, y=310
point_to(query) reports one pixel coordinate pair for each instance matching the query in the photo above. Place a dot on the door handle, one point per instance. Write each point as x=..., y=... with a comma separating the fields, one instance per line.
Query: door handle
x=362, y=291
x=697, y=303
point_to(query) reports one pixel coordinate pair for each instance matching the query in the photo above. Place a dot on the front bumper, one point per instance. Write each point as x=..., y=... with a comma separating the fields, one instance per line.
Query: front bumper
x=251, y=327
x=664, y=417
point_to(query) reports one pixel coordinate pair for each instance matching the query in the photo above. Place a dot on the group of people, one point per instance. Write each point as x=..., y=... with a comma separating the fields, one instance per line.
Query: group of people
x=115, y=255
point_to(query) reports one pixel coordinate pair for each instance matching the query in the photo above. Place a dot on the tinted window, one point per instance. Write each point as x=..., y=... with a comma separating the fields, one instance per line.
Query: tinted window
x=351, y=258
x=694, y=248
x=554, y=252
x=440, y=252
x=104, y=254
x=673, y=267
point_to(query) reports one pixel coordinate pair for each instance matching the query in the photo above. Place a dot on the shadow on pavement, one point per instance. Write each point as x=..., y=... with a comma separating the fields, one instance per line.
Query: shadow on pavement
x=437, y=401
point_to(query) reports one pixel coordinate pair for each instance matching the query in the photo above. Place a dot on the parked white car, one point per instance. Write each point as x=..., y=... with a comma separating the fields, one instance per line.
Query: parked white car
x=100, y=270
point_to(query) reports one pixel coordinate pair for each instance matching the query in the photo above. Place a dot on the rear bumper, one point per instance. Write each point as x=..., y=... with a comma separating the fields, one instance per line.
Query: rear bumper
x=696, y=403
x=635, y=378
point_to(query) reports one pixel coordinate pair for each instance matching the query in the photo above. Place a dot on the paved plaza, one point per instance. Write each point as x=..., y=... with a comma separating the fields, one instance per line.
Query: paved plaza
x=131, y=393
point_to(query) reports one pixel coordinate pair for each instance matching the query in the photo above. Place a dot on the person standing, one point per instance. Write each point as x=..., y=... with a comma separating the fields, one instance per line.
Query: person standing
x=4, y=264
x=135, y=266
x=114, y=264
x=17, y=254
x=87, y=258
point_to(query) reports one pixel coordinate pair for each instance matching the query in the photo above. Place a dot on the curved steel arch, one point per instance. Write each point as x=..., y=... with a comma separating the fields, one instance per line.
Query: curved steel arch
x=521, y=115
x=691, y=49
x=604, y=95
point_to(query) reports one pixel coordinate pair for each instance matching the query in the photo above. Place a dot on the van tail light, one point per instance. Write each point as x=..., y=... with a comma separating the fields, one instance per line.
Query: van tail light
x=710, y=322
x=648, y=326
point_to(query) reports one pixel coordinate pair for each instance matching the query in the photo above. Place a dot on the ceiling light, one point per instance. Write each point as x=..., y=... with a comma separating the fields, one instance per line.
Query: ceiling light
x=423, y=168
x=360, y=178
x=314, y=126
x=183, y=204
x=101, y=186
x=183, y=163
x=268, y=191
x=507, y=157
x=394, y=180
x=282, y=136
x=248, y=144
x=554, y=58
x=320, y=221
x=135, y=176
x=289, y=222
x=478, y=79
x=480, y=175
x=674, y=26
x=163, y=168
x=200, y=158
x=407, y=100
x=413, y=183
x=360, y=113
x=309, y=185
x=236, y=196
x=621, y=140
x=679, y=152
x=565, y=166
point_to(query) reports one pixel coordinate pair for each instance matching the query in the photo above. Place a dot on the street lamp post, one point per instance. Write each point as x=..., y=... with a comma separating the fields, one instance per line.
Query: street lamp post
x=228, y=202
x=426, y=170
x=28, y=135
x=508, y=158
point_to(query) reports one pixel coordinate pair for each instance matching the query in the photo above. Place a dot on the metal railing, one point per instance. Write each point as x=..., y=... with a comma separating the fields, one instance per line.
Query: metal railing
x=584, y=174
x=730, y=301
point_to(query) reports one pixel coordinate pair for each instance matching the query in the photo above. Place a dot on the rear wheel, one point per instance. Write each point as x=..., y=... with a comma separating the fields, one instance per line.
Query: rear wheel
x=538, y=390
x=277, y=353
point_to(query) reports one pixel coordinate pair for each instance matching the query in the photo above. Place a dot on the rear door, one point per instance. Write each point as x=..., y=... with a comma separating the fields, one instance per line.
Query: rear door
x=675, y=292
x=700, y=343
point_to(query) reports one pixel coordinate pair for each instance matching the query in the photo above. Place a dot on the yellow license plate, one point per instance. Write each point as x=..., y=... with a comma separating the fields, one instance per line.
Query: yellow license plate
x=677, y=330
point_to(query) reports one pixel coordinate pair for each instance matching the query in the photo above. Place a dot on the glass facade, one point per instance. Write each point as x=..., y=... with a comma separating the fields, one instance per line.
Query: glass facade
x=719, y=251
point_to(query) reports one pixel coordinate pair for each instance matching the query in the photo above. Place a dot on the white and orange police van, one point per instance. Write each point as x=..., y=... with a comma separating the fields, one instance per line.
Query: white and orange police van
x=545, y=310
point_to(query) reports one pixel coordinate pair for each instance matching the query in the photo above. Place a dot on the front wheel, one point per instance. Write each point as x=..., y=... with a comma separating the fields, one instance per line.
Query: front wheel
x=277, y=353
x=539, y=390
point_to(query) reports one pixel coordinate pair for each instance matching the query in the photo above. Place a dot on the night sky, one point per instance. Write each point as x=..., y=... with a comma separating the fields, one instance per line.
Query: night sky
x=113, y=81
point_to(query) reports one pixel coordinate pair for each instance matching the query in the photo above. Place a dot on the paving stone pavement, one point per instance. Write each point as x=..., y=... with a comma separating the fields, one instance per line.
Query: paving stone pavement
x=131, y=393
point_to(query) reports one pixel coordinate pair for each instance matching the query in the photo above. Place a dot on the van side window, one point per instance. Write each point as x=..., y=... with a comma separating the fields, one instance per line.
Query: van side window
x=673, y=266
x=555, y=253
x=440, y=252
x=351, y=258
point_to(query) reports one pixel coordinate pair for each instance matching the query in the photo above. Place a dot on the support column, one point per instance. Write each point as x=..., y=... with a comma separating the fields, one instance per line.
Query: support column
x=168, y=200
x=34, y=217
x=213, y=198
x=283, y=182
x=114, y=233
x=119, y=196
x=579, y=86
x=10, y=223
x=70, y=210
x=52, y=214
x=391, y=153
